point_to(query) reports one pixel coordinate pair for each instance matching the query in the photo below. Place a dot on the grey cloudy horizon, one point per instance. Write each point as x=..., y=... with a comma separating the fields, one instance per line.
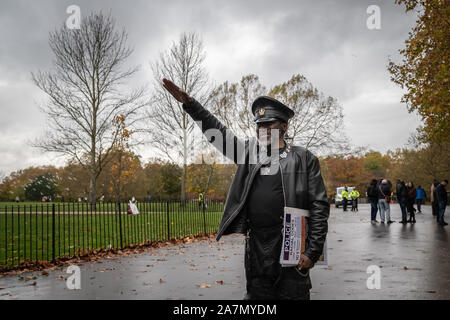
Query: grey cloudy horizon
x=326, y=41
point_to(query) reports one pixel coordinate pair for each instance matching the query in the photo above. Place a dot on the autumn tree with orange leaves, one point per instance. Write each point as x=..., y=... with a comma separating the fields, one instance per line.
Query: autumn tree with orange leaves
x=424, y=70
x=124, y=166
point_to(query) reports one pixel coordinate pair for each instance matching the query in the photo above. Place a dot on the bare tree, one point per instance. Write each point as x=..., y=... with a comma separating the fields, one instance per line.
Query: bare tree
x=171, y=127
x=318, y=122
x=231, y=103
x=87, y=91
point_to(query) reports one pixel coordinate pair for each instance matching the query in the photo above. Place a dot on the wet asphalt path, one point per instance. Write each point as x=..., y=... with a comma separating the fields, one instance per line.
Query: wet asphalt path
x=414, y=261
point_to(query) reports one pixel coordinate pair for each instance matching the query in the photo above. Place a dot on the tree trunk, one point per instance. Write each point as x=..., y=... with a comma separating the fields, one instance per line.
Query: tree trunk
x=211, y=170
x=93, y=167
x=92, y=188
x=183, y=175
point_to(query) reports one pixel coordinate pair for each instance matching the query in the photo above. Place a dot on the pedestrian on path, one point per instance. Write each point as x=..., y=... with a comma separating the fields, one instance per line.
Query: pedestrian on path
x=384, y=198
x=345, y=197
x=354, y=195
x=442, y=200
x=372, y=194
x=412, y=194
x=402, y=198
x=420, y=198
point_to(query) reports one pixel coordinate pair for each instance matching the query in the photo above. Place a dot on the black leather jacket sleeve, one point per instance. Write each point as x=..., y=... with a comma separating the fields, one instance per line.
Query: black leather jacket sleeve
x=222, y=138
x=319, y=210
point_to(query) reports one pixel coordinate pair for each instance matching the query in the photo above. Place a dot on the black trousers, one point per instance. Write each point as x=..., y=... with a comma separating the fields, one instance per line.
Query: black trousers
x=410, y=208
x=419, y=204
x=266, y=278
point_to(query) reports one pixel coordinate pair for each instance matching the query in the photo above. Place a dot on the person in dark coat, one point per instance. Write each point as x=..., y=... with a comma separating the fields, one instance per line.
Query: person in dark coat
x=286, y=178
x=402, y=198
x=442, y=198
x=410, y=201
x=372, y=194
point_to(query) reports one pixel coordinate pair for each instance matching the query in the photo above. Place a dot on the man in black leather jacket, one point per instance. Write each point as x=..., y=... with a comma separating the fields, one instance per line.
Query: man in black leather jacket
x=255, y=201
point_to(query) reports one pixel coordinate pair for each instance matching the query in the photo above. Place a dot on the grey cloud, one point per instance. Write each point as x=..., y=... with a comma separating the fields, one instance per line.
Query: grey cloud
x=327, y=41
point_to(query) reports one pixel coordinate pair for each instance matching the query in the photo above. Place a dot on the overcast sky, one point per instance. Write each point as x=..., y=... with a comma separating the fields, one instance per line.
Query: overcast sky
x=326, y=41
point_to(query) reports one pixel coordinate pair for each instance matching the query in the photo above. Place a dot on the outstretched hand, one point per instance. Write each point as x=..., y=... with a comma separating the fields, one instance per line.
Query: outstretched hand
x=176, y=92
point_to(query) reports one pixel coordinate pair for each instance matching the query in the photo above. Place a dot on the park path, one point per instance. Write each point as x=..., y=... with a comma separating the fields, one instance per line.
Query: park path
x=414, y=261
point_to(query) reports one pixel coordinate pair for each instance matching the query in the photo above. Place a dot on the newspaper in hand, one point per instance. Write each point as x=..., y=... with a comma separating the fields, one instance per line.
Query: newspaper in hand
x=294, y=236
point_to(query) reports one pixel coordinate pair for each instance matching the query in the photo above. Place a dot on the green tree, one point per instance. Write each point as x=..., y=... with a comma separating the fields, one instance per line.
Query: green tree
x=43, y=185
x=376, y=164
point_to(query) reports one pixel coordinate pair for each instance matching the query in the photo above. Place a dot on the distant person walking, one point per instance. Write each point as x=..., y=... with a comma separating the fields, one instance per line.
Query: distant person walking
x=412, y=194
x=354, y=195
x=345, y=198
x=402, y=198
x=372, y=194
x=420, y=198
x=200, y=199
x=434, y=200
x=384, y=198
x=442, y=200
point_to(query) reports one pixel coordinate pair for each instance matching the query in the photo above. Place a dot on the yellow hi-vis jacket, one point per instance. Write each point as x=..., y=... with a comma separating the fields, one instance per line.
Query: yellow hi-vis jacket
x=345, y=194
x=354, y=194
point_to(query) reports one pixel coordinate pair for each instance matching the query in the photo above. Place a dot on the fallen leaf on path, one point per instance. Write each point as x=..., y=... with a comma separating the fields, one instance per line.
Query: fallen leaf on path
x=235, y=282
x=204, y=285
x=161, y=281
x=219, y=282
x=330, y=268
x=45, y=273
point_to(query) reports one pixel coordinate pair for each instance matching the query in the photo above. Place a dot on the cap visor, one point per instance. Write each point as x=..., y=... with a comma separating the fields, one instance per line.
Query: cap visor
x=266, y=120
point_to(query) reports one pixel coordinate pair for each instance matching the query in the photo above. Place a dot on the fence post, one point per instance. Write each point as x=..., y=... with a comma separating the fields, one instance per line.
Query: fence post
x=120, y=226
x=53, y=232
x=204, y=217
x=168, y=222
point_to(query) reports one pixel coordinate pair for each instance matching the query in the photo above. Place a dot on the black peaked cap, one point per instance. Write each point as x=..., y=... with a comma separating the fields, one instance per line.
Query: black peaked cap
x=267, y=109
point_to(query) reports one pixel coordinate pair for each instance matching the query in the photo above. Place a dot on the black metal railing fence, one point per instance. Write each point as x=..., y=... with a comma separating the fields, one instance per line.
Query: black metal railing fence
x=43, y=232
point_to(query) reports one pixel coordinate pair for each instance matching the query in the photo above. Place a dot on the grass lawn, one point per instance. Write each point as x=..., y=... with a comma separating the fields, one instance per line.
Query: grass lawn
x=27, y=230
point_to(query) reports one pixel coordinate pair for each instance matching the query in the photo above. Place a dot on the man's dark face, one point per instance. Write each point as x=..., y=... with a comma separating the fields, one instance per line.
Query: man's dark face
x=264, y=130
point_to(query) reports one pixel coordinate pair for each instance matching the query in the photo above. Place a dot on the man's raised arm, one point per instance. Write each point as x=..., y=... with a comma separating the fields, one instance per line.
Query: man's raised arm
x=223, y=139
